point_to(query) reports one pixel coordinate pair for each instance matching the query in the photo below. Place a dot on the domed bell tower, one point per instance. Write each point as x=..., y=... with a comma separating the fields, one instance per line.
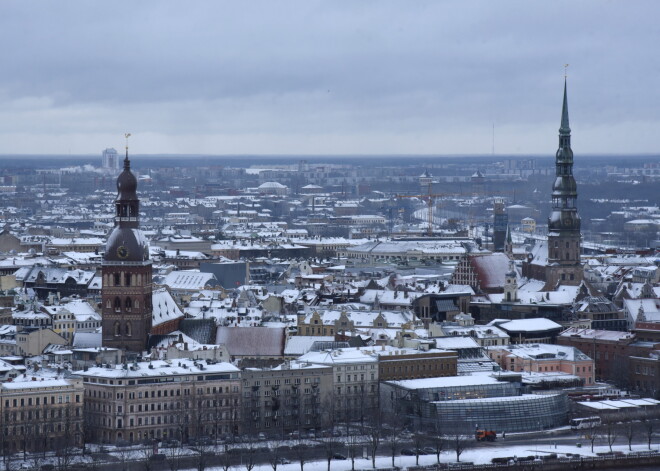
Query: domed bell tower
x=126, y=271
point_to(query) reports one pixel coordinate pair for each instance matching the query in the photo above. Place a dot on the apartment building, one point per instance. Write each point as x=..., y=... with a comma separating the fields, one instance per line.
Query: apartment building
x=180, y=399
x=291, y=397
x=40, y=414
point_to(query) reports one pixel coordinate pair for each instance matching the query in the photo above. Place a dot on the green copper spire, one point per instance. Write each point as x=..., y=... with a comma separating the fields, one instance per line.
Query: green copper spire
x=564, y=129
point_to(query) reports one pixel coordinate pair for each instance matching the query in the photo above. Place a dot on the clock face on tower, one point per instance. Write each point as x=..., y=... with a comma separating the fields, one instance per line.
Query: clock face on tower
x=122, y=252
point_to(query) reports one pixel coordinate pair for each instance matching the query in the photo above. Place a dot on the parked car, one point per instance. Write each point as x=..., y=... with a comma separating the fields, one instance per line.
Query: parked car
x=338, y=456
x=282, y=461
x=408, y=452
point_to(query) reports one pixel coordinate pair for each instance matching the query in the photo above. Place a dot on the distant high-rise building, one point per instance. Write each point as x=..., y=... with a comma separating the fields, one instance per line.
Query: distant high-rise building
x=425, y=182
x=564, y=236
x=500, y=224
x=110, y=159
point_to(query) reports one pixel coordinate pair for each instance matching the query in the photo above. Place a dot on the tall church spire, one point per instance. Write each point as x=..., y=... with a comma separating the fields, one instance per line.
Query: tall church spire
x=565, y=128
x=564, y=221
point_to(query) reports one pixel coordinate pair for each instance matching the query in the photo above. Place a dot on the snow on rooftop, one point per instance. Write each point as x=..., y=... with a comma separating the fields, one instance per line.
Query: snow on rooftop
x=529, y=325
x=445, y=382
x=164, y=307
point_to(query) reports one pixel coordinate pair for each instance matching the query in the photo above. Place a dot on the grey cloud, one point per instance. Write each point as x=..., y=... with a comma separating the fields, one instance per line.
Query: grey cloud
x=356, y=71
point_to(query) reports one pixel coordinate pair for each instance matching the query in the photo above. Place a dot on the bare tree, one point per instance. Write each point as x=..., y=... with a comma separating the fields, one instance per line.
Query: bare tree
x=174, y=456
x=610, y=433
x=649, y=428
x=459, y=444
x=438, y=440
x=68, y=439
x=249, y=451
x=330, y=447
x=329, y=424
x=593, y=432
x=395, y=427
x=419, y=439
x=374, y=433
x=145, y=454
x=124, y=458
x=4, y=439
x=275, y=456
x=300, y=451
x=353, y=444
x=224, y=462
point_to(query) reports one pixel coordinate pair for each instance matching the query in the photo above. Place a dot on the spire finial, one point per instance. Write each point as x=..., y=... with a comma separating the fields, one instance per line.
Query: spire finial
x=565, y=128
x=127, y=164
x=565, y=71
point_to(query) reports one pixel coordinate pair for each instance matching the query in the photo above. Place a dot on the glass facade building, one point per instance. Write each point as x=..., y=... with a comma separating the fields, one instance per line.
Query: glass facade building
x=462, y=403
x=524, y=413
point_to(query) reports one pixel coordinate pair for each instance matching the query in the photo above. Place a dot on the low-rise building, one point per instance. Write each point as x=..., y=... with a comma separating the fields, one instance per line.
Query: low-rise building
x=545, y=358
x=604, y=346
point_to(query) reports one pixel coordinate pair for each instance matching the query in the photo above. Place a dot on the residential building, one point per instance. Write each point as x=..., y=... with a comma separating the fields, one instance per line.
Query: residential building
x=180, y=399
x=294, y=396
x=545, y=358
x=41, y=413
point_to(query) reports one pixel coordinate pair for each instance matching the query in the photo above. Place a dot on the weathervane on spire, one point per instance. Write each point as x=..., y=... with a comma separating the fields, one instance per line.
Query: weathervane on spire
x=126, y=162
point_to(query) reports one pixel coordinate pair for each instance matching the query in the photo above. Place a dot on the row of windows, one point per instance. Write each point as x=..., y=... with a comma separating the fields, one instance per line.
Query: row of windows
x=355, y=377
x=128, y=304
x=37, y=414
x=128, y=278
x=356, y=389
x=60, y=399
x=435, y=366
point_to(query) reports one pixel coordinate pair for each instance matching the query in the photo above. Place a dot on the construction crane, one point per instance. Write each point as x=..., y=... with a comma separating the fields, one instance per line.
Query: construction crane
x=428, y=199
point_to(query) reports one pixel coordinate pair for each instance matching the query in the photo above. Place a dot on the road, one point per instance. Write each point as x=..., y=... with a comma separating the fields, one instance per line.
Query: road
x=131, y=459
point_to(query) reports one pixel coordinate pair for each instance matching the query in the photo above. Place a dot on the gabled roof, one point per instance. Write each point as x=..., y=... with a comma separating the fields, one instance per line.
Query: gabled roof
x=490, y=270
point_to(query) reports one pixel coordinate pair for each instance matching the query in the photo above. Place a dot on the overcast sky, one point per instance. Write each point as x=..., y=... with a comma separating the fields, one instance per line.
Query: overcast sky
x=333, y=77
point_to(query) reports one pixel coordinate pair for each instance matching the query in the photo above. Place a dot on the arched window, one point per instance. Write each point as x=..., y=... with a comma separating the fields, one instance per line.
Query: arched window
x=128, y=329
x=117, y=329
x=117, y=279
x=127, y=278
x=108, y=304
x=117, y=303
x=128, y=304
x=137, y=304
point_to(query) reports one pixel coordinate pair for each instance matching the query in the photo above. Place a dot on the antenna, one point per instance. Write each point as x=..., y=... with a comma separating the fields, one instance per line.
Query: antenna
x=493, y=149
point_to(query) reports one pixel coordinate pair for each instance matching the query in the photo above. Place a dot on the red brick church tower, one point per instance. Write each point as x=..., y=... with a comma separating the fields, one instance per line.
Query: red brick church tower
x=126, y=270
